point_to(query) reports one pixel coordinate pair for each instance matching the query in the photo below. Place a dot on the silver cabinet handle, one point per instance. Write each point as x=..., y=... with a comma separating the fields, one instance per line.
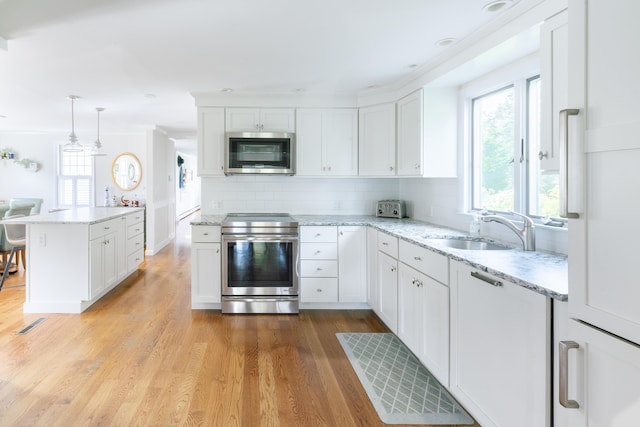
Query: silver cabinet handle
x=393, y=269
x=542, y=155
x=417, y=258
x=318, y=269
x=318, y=290
x=390, y=168
x=385, y=244
x=486, y=279
x=564, y=162
x=205, y=234
x=563, y=385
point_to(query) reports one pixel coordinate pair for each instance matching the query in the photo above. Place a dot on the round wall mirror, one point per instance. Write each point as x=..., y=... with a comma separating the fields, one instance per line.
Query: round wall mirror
x=126, y=171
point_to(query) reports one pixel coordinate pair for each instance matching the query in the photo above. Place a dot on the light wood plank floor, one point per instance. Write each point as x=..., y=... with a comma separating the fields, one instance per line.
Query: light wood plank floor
x=141, y=356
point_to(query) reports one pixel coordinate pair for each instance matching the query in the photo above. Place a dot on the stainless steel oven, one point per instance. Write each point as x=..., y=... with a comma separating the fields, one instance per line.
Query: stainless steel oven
x=259, y=263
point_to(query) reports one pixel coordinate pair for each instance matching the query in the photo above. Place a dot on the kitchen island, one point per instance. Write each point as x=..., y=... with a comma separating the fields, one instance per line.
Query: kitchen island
x=76, y=256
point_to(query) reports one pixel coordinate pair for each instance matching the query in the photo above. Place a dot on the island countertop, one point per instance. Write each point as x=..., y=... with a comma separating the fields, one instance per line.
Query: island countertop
x=88, y=215
x=539, y=271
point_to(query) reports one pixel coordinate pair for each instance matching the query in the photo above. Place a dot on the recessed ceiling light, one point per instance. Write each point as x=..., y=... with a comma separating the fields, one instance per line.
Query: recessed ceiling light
x=150, y=95
x=446, y=41
x=413, y=65
x=497, y=5
x=372, y=87
x=227, y=90
x=2, y=116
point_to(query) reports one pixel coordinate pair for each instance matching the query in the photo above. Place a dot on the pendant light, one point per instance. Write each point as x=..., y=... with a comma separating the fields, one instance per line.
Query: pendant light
x=97, y=145
x=72, y=146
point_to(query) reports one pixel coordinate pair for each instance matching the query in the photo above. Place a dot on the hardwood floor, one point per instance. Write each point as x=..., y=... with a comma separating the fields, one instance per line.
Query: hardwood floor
x=141, y=356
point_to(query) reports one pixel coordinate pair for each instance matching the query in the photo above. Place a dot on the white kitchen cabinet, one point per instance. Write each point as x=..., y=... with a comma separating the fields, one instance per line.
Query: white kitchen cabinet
x=210, y=141
x=319, y=264
x=352, y=262
x=423, y=306
x=103, y=265
x=440, y=131
x=327, y=142
x=388, y=290
x=135, y=242
x=554, y=74
x=206, y=267
x=377, y=140
x=500, y=347
x=603, y=373
x=373, y=297
x=260, y=120
x=410, y=135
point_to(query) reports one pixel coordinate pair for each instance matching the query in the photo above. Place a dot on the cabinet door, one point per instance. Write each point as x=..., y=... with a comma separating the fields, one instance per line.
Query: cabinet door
x=242, y=120
x=435, y=335
x=377, y=142
x=206, y=273
x=352, y=264
x=210, y=141
x=309, y=142
x=340, y=142
x=122, y=245
x=603, y=378
x=110, y=259
x=277, y=120
x=410, y=148
x=500, y=350
x=554, y=73
x=373, y=297
x=96, y=280
x=388, y=290
x=603, y=241
x=410, y=308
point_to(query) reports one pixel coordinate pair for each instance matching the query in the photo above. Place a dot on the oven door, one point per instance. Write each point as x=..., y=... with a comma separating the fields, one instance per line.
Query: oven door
x=260, y=265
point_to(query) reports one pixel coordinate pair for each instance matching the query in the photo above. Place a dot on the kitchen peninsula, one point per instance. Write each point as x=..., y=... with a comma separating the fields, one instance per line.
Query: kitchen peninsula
x=74, y=257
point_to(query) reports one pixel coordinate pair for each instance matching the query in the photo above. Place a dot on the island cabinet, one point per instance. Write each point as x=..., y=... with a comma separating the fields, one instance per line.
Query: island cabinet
x=423, y=306
x=500, y=349
x=75, y=257
x=333, y=266
x=206, y=267
x=260, y=120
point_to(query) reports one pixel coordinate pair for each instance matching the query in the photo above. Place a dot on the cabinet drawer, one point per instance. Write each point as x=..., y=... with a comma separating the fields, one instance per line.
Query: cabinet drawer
x=134, y=230
x=428, y=262
x=135, y=243
x=388, y=244
x=102, y=228
x=327, y=234
x=134, y=259
x=318, y=251
x=319, y=268
x=205, y=233
x=134, y=218
x=318, y=289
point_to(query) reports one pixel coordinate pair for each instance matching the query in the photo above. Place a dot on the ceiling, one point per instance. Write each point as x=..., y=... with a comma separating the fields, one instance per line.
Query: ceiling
x=142, y=59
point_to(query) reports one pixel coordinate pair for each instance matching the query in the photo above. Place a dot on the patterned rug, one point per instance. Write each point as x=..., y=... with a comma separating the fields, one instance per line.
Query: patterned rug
x=401, y=389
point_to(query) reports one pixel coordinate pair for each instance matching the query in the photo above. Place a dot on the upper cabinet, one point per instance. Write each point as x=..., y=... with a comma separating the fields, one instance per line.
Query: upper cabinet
x=210, y=141
x=440, y=142
x=554, y=74
x=327, y=141
x=377, y=142
x=260, y=120
x=410, y=137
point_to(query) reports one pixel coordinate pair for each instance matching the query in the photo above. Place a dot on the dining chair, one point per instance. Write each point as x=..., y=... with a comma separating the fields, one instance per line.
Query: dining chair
x=16, y=235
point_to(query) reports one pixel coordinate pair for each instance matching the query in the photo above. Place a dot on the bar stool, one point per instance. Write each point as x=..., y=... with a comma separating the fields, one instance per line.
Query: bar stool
x=16, y=235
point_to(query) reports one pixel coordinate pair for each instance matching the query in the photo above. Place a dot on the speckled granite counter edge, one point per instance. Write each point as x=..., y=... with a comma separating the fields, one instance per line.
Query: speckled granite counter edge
x=418, y=233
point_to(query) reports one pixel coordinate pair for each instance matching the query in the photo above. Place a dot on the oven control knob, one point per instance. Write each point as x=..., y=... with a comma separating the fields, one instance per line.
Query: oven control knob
x=395, y=211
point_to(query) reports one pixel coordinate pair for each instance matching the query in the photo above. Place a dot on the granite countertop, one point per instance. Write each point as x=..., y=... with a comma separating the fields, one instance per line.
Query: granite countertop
x=541, y=272
x=89, y=215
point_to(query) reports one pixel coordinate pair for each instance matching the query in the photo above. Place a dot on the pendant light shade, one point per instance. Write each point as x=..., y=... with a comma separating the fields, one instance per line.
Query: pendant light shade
x=73, y=146
x=97, y=145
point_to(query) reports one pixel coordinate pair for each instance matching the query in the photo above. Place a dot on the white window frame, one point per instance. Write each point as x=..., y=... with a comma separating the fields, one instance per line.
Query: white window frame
x=75, y=178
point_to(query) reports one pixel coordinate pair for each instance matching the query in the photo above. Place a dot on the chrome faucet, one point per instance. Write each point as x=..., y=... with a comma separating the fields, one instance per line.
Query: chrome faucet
x=526, y=234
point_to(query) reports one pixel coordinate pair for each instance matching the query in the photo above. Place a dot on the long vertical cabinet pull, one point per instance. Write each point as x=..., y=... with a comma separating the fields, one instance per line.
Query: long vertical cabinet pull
x=564, y=162
x=565, y=346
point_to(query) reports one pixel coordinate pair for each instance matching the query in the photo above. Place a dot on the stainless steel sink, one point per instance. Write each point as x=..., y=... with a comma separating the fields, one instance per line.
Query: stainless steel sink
x=469, y=244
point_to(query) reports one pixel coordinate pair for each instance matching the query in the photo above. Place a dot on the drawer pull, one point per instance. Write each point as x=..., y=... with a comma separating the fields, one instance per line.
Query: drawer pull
x=106, y=228
x=417, y=258
x=563, y=385
x=318, y=269
x=486, y=279
x=318, y=290
x=318, y=252
x=204, y=234
x=385, y=244
x=318, y=234
x=393, y=269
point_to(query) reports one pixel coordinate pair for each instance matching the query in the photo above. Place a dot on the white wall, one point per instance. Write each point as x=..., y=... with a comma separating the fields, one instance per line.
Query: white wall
x=187, y=197
x=295, y=195
x=161, y=196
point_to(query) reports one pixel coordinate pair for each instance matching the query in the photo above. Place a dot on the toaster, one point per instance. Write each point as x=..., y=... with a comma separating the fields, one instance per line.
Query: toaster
x=390, y=209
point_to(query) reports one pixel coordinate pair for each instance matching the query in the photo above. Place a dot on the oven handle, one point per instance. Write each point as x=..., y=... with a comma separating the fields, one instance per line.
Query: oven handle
x=261, y=238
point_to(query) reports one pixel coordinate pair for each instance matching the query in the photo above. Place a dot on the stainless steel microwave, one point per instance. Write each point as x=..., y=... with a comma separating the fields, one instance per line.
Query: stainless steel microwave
x=260, y=153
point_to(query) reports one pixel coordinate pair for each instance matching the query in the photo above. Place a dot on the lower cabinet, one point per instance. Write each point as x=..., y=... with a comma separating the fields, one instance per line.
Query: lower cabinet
x=103, y=264
x=206, y=267
x=388, y=290
x=500, y=349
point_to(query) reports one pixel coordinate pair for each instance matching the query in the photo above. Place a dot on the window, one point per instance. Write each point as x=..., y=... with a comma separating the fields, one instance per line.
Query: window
x=504, y=142
x=75, y=179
